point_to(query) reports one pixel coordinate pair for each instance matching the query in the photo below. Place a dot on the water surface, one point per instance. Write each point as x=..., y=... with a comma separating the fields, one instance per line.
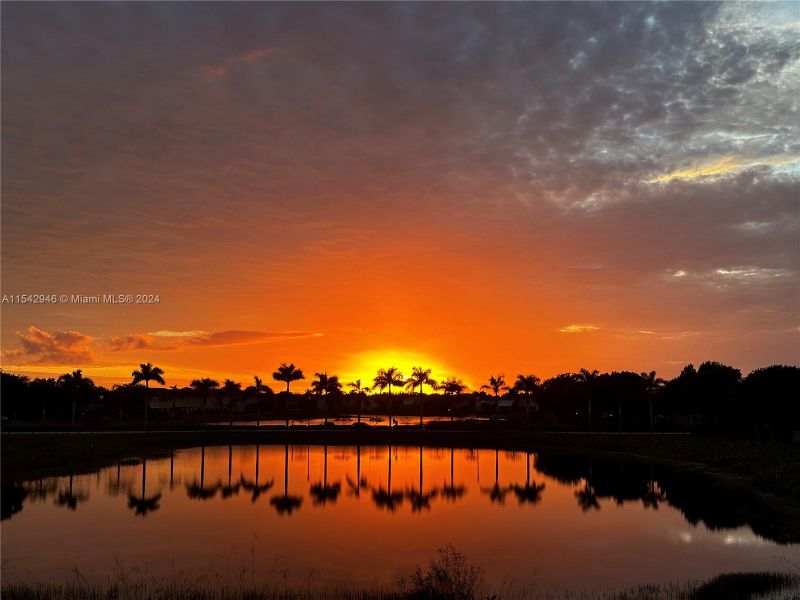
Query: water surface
x=370, y=514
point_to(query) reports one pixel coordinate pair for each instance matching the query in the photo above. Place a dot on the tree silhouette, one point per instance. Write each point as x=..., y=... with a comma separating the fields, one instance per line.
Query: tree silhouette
x=288, y=373
x=254, y=487
x=76, y=383
x=420, y=377
x=497, y=384
x=386, y=498
x=323, y=385
x=496, y=493
x=361, y=391
x=198, y=490
x=418, y=499
x=528, y=385
x=530, y=493
x=231, y=389
x=452, y=491
x=258, y=385
x=651, y=385
x=70, y=499
x=147, y=373
x=452, y=387
x=589, y=379
x=360, y=482
x=386, y=378
x=204, y=387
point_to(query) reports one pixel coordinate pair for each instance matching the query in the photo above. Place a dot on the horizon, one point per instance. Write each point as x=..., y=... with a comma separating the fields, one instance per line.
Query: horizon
x=521, y=188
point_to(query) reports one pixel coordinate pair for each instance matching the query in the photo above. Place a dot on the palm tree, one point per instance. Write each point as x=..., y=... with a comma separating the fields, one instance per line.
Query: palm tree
x=651, y=385
x=288, y=373
x=452, y=387
x=231, y=389
x=420, y=377
x=528, y=385
x=147, y=373
x=204, y=387
x=75, y=382
x=497, y=384
x=258, y=385
x=361, y=390
x=325, y=384
x=589, y=379
x=386, y=378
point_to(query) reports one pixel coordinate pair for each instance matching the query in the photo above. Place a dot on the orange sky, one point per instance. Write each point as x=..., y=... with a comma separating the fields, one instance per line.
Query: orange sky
x=356, y=187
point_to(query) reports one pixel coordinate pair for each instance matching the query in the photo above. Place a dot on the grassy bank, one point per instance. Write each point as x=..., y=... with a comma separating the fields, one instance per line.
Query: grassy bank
x=735, y=586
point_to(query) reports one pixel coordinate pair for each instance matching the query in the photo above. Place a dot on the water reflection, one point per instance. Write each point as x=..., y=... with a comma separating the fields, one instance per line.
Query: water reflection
x=592, y=483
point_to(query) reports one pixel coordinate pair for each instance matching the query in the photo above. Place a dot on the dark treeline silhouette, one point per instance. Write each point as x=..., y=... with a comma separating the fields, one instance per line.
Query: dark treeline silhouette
x=596, y=481
x=711, y=397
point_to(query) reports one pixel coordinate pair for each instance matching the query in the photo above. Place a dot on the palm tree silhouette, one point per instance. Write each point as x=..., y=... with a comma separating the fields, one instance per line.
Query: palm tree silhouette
x=452, y=491
x=321, y=492
x=288, y=373
x=529, y=493
x=204, y=387
x=387, y=498
x=589, y=379
x=528, y=385
x=258, y=385
x=420, y=377
x=231, y=389
x=254, y=487
x=147, y=373
x=418, y=499
x=324, y=385
x=286, y=504
x=75, y=382
x=651, y=385
x=144, y=505
x=452, y=387
x=361, y=390
x=497, y=384
x=386, y=378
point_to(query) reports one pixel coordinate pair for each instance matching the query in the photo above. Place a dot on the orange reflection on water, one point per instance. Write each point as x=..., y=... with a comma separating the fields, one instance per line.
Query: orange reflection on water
x=370, y=514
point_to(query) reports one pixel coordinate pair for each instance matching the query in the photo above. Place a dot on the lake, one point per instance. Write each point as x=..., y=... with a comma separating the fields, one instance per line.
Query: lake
x=370, y=514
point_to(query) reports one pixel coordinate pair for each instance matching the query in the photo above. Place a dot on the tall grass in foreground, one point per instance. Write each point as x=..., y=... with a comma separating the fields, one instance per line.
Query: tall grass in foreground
x=447, y=576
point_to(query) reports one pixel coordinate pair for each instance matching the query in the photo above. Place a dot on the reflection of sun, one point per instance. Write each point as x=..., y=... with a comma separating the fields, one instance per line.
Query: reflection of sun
x=365, y=365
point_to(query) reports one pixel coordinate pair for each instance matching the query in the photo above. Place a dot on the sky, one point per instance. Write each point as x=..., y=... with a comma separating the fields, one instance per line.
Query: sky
x=478, y=188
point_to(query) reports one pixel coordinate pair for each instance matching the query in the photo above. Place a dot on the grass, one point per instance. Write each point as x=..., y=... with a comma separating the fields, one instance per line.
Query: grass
x=733, y=586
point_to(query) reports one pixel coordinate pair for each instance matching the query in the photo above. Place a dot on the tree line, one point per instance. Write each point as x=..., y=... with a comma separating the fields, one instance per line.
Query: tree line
x=766, y=402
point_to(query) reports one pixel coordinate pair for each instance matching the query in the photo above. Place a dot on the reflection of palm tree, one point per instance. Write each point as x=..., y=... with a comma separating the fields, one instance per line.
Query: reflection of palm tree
x=529, y=493
x=198, y=491
x=322, y=492
x=387, y=498
x=587, y=497
x=286, y=504
x=70, y=499
x=288, y=373
x=496, y=493
x=418, y=499
x=144, y=505
x=230, y=489
x=386, y=378
x=147, y=373
x=254, y=487
x=452, y=491
x=360, y=482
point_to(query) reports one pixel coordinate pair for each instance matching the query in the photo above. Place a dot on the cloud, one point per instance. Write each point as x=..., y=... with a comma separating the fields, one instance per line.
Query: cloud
x=724, y=166
x=134, y=341
x=579, y=328
x=237, y=337
x=38, y=347
x=221, y=69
